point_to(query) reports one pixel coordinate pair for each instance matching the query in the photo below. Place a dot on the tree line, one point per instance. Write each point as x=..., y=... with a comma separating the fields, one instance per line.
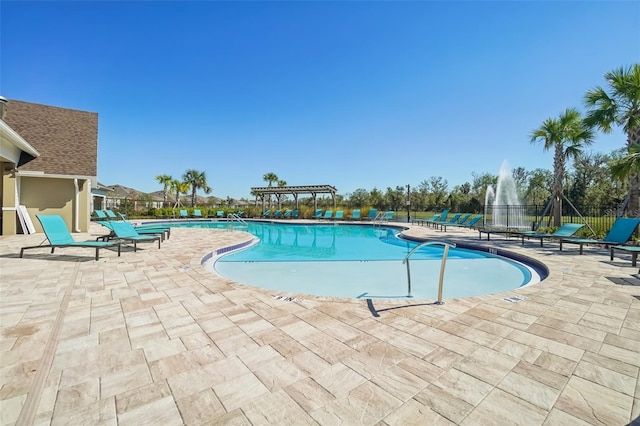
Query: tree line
x=594, y=179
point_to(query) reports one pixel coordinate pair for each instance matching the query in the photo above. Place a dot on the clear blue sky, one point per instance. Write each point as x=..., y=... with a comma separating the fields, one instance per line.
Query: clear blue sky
x=354, y=94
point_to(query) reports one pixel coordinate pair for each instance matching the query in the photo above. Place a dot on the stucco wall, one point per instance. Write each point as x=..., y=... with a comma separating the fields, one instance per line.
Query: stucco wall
x=54, y=196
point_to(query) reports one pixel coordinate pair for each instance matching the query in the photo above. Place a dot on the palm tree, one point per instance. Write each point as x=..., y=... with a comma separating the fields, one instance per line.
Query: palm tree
x=255, y=194
x=624, y=167
x=279, y=197
x=165, y=180
x=567, y=135
x=621, y=107
x=197, y=180
x=270, y=178
x=179, y=188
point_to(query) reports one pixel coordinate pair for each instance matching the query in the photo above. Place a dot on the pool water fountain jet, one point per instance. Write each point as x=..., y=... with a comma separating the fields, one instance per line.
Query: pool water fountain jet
x=502, y=206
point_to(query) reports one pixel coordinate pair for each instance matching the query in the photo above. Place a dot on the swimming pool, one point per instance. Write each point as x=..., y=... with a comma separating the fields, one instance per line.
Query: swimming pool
x=361, y=261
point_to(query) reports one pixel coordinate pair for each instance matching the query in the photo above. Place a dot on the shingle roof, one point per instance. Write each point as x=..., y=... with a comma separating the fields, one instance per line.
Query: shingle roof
x=66, y=139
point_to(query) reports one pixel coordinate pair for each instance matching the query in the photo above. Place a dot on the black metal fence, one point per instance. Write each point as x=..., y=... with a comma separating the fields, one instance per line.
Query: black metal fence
x=598, y=218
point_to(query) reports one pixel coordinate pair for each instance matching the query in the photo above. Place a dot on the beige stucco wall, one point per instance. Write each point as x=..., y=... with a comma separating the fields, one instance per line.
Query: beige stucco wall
x=42, y=195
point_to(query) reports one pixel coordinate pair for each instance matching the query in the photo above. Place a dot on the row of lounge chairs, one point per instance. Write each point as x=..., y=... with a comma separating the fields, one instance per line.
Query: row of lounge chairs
x=373, y=215
x=108, y=215
x=616, y=239
x=279, y=214
x=197, y=214
x=183, y=214
x=619, y=234
x=219, y=214
x=460, y=220
x=58, y=235
x=329, y=215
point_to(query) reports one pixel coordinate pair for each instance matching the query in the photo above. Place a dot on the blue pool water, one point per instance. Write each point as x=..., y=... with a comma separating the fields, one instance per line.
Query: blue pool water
x=352, y=261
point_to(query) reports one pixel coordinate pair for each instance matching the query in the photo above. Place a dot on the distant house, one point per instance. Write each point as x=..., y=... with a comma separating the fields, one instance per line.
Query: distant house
x=123, y=198
x=48, y=157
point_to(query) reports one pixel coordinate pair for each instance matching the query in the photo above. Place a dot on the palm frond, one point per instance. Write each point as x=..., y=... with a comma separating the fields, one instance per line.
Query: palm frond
x=627, y=165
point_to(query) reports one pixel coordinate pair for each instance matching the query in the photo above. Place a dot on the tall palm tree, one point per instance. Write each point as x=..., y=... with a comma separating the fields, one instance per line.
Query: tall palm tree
x=255, y=194
x=165, y=180
x=197, y=180
x=279, y=197
x=270, y=178
x=178, y=188
x=620, y=106
x=567, y=135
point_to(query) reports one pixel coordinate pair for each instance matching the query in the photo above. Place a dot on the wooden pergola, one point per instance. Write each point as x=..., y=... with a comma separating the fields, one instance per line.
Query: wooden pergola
x=279, y=191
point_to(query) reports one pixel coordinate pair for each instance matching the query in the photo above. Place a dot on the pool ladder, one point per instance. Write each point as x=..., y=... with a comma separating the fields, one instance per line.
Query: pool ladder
x=442, y=266
x=378, y=219
x=233, y=218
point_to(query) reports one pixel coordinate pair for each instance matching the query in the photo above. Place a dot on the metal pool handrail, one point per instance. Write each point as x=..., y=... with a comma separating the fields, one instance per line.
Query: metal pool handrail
x=442, y=265
x=232, y=217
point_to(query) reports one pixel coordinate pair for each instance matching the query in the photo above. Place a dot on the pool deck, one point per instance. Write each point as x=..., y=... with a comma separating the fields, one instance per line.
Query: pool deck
x=153, y=338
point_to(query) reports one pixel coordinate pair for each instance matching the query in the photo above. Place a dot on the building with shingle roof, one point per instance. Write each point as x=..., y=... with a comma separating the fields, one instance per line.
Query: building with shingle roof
x=48, y=158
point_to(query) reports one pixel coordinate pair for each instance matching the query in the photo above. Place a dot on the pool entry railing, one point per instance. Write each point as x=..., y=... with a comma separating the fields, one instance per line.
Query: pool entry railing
x=236, y=222
x=378, y=219
x=381, y=217
x=442, y=266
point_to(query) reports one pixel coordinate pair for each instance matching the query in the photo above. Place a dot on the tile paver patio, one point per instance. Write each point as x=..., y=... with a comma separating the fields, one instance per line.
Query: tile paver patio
x=153, y=338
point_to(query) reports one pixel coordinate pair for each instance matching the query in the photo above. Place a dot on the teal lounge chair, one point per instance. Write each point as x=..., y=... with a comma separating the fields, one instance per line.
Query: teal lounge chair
x=460, y=221
x=388, y=216
x=183, y=214
x=621, y=231
x=197, y=213
x=373, y=213
x=295, y=214
x=277, y=214
x=162, y=231
x=423, y=221
x=442, y=218
x=566, y=230
x=453, y=219
x=287, y=214
x=471, y=223
x=58, y=234
x=328, y=214
x=355, y=215
x=463, y=219
x=111, y=215
x=317, y=215
x=220, y=213
x=266, y=213
x=634, y=250
x=154, y=228
x=126, y=232
x=495, y=230
x=101, y=215
x=339, y=215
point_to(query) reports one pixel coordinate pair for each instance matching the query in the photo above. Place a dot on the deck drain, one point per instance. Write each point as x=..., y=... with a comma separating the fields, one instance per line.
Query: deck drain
x=514, y=299
x=287, y=299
